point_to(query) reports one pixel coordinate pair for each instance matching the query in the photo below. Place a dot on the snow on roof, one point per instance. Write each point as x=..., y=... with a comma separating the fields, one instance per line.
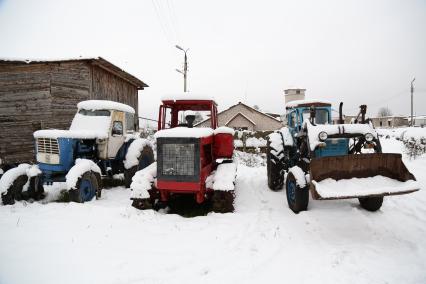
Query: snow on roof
x=305, y=102
x=180, y=132
x=103, y=104
x=186, y=96
x=331, y=129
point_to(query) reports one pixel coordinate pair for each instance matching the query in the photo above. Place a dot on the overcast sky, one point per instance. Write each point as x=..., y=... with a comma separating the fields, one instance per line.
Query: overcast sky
x=352, y=51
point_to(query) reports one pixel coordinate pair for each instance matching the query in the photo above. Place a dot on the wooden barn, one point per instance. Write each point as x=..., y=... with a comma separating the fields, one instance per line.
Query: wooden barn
x=43, y=94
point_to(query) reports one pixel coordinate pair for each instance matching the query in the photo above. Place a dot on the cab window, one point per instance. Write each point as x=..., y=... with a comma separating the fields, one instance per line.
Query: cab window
x=130, y=122
x=117, y=128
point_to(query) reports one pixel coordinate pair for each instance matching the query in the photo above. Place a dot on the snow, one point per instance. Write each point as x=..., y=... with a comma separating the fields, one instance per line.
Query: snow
x=224, y=130
x=81, y=166
x=223, y=178
x=142, y=181
x=11, y=175
x=186, y=96
x=104, y=105
x=299, y=175
x=330, y=129
x=134, y=151
x=33, y=171
x=82, y=127
x=304, y=102
x=180, y=132
x=108, y=241
x=330, y=188
x=277, y=138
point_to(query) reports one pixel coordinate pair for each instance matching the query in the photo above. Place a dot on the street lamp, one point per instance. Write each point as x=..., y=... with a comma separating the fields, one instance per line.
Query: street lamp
x=185, y=67
x=412, y=91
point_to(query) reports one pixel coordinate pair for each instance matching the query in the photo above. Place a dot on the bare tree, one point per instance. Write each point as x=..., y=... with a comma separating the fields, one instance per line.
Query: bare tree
x=384, y=111
x=256, y=107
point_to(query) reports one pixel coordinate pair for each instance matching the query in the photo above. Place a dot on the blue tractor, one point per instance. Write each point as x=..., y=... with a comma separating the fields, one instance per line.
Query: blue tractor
x=332, y=160
x=102, y=141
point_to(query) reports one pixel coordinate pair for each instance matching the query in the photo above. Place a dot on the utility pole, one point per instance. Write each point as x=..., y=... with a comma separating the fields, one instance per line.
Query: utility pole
x=412, y=91
x=185, y=67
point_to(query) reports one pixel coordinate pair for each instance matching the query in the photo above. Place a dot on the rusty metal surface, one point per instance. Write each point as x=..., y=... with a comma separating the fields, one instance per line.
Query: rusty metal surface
x=359, y=166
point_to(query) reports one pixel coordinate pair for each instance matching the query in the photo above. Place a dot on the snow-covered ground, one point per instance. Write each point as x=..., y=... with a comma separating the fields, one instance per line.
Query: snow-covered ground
x=108, y=241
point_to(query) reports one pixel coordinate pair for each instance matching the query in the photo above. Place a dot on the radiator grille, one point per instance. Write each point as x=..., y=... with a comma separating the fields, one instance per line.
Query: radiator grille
x=178, y=159
x=47, y=145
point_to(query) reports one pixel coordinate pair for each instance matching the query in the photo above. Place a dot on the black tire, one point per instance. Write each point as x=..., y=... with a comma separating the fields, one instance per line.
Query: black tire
x=371, y=203
x=223, y=201
x=99, y=181
x=86, y=188
x=274, y=168
x=145, y=159
x=142, y=203
x=36, y=189
x=14, y=192
x=297, y=197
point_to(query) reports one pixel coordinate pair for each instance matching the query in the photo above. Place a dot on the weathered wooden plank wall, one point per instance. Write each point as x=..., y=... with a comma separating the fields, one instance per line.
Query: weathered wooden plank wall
x=70, y=84
x=24, y=107
x=107, y=86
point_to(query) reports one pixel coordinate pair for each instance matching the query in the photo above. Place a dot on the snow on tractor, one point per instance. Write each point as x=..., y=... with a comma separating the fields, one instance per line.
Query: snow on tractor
x=101, y=141
x=190, y=160
x=333, y=161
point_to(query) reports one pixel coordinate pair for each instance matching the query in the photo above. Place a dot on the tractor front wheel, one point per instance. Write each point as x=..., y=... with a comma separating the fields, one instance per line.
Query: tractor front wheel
x=87, y=187
x=297, y=197
x=14, y=192
x=274, y=168
x=36, y=190
x=371, y=203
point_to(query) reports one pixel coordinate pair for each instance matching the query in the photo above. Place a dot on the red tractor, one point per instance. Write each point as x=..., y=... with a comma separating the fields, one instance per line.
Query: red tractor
x=190, y=160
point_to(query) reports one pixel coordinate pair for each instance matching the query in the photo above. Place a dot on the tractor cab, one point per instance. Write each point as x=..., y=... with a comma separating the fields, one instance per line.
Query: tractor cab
x=298, y=111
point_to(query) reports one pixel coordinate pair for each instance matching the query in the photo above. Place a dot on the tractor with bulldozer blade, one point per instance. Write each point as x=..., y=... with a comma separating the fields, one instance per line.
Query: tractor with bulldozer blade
x=332, y=161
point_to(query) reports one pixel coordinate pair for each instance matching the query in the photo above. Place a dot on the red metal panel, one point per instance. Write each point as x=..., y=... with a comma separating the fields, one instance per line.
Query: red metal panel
x=182, y=187
x=223, y=145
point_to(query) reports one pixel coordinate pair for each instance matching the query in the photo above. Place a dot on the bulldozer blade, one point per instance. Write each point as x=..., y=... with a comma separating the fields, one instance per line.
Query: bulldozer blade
x=377, y=175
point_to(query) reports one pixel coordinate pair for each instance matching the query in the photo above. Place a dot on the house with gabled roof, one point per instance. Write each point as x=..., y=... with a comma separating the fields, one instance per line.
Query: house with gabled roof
x=242, y=116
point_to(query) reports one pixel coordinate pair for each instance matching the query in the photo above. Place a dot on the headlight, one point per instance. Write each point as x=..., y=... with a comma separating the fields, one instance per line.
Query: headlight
x=322, y=136
x=369, y=137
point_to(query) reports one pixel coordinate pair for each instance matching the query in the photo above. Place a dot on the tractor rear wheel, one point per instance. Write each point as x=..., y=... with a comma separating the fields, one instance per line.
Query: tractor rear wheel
x=146, y=158
x=371, y=203
x=275, y=168
x=223, y=201
x=297, y=197
x=86, y=188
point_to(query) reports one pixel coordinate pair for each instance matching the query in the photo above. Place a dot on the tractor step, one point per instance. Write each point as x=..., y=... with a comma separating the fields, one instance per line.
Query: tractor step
x=364, y=175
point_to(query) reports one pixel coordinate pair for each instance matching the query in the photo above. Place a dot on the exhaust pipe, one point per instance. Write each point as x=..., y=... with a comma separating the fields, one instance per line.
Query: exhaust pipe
x=341, y=113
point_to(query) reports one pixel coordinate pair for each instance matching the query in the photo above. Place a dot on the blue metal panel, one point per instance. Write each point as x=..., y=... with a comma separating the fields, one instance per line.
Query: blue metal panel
x=66, y=159
x=334, y=147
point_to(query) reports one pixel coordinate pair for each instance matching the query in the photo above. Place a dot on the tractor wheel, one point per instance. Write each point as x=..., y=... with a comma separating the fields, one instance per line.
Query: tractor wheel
x=371, y=203
x=297, y=197
x=99, y=181
x=36, y=189
x=14, y=192
x=86, y=189
x=223, y=201
x=146, y=158
x=274, y=168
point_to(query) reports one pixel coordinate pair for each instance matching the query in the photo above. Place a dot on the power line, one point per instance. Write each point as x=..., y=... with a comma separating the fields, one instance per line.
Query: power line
x=165, y=33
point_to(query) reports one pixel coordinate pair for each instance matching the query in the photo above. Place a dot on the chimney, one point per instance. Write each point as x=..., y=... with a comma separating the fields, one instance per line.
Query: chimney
x=294, y=95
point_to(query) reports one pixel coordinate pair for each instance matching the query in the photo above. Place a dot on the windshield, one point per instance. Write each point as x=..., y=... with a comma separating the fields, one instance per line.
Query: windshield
x=321, y=116
x=94, y=112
